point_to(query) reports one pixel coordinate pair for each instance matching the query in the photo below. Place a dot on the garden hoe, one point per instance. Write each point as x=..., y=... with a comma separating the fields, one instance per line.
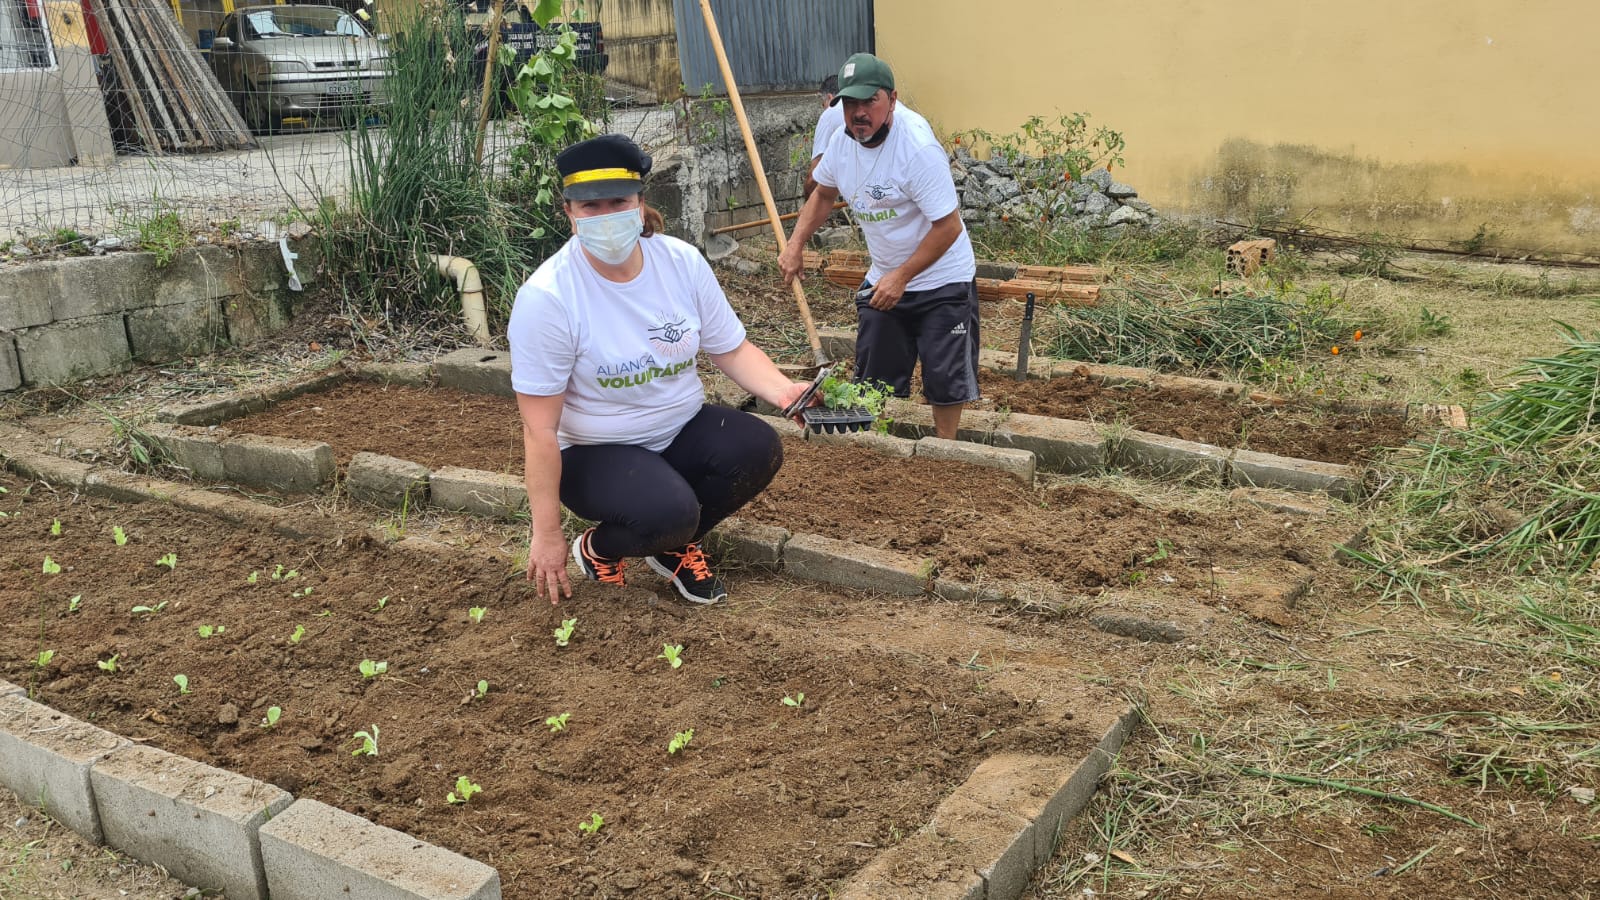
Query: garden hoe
x=817, y=418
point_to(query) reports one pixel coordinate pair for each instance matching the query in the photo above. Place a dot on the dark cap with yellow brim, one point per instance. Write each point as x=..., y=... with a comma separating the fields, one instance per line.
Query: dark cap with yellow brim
x=603, y=167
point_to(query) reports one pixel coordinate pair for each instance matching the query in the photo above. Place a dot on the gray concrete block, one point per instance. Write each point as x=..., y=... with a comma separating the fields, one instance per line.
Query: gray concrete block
x=25, y=294
x=407, y=374
x=996, y=841
x=262, y=270
x=1227, y=390
x=386, y=481
x=7, y=688
x=854, y=565
x=10, y=371
x=197, y=822
x=1020, y=463
x=65, y=352
x=101, y=285
x=838, y=344
x=784, y=427
x=214, y=411
x=1251, y=469
x=313, y=851
x=192, y=447
x=1109, y=375
x=125, y=488
x=1287, y=503
x=1059, y=445
x=748, y=542
x=1155, y=454
x=46, y=758
x=160, y=333
x=1139, y=629
x=252, y=316
x=886, y=444
x=476, y=371
x=912, y=420
x=924, y=866
x=477, y=492
x=1073, y=793
x=277, y=463
x=1005, y=362
x=44, y=467
x=205, y=272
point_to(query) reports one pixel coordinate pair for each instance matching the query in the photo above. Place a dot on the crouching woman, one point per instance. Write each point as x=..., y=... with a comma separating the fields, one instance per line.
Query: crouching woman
x=604, y=338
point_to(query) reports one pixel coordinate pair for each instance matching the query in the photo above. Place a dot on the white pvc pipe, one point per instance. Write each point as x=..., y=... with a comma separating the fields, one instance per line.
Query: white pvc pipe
x=465, y=275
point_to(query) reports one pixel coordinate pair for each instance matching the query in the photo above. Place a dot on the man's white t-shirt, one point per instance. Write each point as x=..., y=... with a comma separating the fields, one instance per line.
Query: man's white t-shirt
x=623, y=354
x=831, y=120
x=895, y=191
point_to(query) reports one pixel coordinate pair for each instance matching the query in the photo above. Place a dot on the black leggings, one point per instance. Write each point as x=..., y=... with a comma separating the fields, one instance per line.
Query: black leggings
x=647, y=502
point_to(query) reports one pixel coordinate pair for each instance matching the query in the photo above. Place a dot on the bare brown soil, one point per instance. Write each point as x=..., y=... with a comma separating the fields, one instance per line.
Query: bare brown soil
x=1300, y=431
x=972, y=523
x=768, y=800
x=432, y=426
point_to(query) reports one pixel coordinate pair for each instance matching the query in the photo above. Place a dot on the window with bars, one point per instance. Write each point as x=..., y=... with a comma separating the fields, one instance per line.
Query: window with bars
x=24, y=36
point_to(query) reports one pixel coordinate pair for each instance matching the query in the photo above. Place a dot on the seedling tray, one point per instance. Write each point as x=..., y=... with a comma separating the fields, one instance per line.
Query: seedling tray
x=826, y=420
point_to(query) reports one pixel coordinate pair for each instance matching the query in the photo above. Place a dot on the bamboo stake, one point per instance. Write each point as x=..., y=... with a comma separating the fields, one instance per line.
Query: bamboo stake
x=488, y=81
x=761, y=175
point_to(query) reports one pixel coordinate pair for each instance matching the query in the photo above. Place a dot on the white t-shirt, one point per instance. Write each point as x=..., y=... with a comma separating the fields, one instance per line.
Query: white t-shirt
x=623, y=354
x=895, y=191
x=831, y=120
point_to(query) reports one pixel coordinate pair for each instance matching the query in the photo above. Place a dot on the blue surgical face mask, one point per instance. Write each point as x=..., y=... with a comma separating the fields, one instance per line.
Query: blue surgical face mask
x=611, y=237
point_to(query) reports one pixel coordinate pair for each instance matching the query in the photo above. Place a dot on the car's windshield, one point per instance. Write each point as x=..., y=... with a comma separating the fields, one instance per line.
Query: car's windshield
x=301, y=21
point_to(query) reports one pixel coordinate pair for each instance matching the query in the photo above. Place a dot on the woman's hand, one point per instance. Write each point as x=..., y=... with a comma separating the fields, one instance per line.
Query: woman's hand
x=791, y=394
x=547, y=566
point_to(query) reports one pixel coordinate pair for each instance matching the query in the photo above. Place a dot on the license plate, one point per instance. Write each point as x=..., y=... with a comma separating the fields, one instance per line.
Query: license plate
x=343, y=89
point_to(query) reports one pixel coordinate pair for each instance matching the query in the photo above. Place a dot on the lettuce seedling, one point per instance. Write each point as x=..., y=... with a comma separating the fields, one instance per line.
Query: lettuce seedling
x=798, y=700
x=209, y=630
x=483, y=689
x=118, y=535
x=467, y=789
x=55, y=527
x=270, y=720
x=169, y=560
x=182, y=681
x=43, y=659
x=370, y=669
x=557, y=724
x=476, y=614
x=303, y=592
x=299, y=632
x=149, y=610
x=564, y=633
x=74, y=603
x=382, y=602
x=108, y=665
x=670, y=653
x=593, y=825
x=369, y=742
x=680, y=741
x=51, y=567
x=252, y=577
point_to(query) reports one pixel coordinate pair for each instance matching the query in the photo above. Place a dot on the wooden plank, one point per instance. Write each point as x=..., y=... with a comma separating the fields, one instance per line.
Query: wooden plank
x=119, y=61
x=992, y=288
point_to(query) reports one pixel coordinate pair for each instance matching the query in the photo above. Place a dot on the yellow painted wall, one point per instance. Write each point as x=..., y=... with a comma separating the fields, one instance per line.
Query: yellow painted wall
x=1425, y=117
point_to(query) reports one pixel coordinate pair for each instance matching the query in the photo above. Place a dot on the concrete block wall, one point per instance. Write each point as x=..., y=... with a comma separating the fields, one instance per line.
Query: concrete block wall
x=64, y=320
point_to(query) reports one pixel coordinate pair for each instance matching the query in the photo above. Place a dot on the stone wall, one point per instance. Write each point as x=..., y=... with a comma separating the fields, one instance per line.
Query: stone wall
x=994, y=190
x=63, y=320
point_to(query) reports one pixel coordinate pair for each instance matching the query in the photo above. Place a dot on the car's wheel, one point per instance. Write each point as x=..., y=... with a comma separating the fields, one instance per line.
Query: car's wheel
x=259, y=114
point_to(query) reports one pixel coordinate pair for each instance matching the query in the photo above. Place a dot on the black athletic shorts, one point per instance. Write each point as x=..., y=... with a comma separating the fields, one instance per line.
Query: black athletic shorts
x=938, y=326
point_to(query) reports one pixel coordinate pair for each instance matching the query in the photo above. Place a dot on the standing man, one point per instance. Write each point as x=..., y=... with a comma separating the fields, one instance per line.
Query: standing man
x=831, y=121
x=921, y=290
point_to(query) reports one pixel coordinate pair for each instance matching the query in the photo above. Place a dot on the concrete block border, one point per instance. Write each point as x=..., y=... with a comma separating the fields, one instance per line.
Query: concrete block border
x=220, y=830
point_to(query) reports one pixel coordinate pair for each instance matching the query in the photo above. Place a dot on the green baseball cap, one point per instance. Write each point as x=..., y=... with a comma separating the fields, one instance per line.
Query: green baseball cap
x=862, y=76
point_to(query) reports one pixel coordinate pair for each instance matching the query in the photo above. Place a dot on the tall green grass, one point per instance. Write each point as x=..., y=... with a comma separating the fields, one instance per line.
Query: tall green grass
x=418, y=189
x=1522, y=486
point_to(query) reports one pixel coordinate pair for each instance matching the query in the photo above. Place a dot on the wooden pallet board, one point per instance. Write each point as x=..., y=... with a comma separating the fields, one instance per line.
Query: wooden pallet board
x=992, y=288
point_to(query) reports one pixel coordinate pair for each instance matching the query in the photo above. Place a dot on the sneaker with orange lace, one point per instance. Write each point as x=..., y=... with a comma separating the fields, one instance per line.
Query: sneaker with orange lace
x=595, y=567
x=689, y=572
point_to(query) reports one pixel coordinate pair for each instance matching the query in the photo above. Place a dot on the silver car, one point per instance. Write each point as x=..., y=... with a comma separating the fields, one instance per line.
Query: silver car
x=295, y=61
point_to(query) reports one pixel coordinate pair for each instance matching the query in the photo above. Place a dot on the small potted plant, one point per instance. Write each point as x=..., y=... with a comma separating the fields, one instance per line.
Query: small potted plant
x=846, y=406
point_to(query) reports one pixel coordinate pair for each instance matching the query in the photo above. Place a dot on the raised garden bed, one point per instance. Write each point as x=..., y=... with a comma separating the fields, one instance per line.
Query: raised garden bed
x=1301, y=431
x=902, y=698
